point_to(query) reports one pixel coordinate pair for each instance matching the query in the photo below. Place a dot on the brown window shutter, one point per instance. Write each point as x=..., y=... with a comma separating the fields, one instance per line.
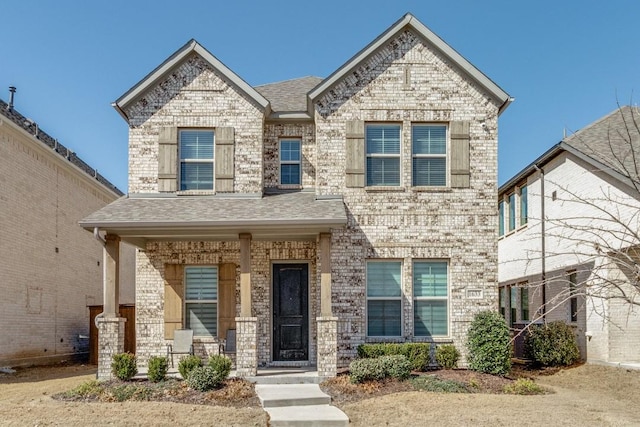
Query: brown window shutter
x=226, y=298
x=173, y=298
x=460, y=172
x=224, y=167
x=168, y=159
x=355, y=154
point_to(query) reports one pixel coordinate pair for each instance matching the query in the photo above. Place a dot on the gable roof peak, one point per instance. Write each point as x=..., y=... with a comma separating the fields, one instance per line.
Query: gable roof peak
x=161, y=71
x=408, y=20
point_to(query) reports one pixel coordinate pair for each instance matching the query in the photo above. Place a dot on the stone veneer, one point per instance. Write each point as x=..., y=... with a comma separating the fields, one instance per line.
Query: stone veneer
x=327, y=346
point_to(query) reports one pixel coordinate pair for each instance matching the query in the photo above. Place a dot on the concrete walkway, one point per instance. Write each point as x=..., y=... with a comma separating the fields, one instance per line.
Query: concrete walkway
x=299, y=405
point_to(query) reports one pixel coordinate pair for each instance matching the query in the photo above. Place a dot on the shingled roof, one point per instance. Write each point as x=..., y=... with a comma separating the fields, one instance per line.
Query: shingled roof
x=611, y=144
x=32, y=128
x=288, y=215
x=613, y=140
x=289, y=95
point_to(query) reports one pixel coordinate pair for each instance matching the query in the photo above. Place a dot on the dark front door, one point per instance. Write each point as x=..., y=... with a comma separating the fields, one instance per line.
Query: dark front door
x=290, y=312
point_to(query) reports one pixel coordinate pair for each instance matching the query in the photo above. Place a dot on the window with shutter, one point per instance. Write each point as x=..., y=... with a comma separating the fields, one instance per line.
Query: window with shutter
x=196, y=159
x=355, y=154
x=429, y=155
x=201, y=300
x=430, y=293
x=383, y=155
x=167, y=159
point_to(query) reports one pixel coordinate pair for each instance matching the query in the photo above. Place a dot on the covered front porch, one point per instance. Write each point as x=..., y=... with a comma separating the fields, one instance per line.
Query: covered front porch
x=268, y=260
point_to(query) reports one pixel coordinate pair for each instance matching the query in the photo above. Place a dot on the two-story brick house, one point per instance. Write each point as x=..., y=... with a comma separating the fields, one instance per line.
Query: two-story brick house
x=310, y=215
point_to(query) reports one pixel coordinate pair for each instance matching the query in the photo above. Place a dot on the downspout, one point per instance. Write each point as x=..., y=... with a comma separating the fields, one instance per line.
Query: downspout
x=543, y=252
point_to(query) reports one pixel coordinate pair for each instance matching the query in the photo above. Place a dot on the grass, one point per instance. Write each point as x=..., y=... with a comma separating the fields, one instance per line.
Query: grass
x=524, y=386
x=434, y=384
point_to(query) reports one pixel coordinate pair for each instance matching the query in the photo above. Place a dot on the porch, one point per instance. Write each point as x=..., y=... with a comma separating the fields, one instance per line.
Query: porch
x=271, y=262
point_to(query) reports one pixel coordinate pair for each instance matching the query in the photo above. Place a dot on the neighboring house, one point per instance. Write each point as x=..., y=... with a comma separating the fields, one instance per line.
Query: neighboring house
x=310, y=215
x=576, y=263
x=51, y=269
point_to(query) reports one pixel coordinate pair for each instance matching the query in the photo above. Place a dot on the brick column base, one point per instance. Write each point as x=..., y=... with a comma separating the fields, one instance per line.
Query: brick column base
x=327, y=346
x=110, y=342
x=246, y=346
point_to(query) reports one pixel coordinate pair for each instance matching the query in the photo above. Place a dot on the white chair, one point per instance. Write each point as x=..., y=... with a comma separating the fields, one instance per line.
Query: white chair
x=182, y=343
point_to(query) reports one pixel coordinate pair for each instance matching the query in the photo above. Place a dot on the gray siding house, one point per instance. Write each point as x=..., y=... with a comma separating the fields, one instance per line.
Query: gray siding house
x=310, y=215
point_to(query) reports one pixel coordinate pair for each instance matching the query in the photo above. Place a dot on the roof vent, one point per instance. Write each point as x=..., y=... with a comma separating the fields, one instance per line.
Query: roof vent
x=12, y=91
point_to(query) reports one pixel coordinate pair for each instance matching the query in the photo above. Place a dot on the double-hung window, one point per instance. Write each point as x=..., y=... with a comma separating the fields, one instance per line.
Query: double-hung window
x=384, y=299
x=290, y=162
x=523, y=205
x=430, y=293
x=196, y=159
x=501, y=218
x=201, y=300
x=383, y=155
x=512, y=211
x=429, y=155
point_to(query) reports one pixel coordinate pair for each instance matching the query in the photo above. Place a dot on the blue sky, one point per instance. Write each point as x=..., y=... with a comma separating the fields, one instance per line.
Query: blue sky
x=566, y=63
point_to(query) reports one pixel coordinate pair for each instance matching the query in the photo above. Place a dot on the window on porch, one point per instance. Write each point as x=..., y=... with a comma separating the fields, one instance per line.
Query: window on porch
x=201, y=300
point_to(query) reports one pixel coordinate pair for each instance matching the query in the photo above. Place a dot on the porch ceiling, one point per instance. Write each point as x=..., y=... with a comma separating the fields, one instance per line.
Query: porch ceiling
x=291, y=216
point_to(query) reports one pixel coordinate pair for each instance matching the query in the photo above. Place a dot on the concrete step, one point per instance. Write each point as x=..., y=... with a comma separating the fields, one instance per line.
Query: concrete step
x=272, y=396
x=310, y=415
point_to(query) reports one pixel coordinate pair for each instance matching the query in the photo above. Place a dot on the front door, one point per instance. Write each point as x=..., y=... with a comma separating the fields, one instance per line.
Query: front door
x=290, y=312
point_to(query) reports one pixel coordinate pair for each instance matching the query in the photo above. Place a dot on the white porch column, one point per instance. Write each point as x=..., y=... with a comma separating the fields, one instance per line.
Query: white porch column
x=327, y=323
x=110, y=324
x=246, y=325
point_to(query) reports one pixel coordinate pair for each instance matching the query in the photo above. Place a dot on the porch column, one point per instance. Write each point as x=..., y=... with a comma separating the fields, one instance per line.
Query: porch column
x=110, y=324
x=327, y=323
x=246, y=325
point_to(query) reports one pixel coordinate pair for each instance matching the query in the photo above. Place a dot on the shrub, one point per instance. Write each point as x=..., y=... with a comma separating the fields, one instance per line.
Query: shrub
x=431, y=383
x=418, y=353
x=488, y=344
x=88, y=389
x=187, y=364
x=523, y=386
x=158, y=367
x=204, y=378
x=553, y=344
x=220, y=364
x=378, y=368
x=447, y=356
x=124, y=366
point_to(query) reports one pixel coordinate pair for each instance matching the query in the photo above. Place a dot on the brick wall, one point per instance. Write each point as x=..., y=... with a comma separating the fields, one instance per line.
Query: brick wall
x=51, y=268
x=406, y=224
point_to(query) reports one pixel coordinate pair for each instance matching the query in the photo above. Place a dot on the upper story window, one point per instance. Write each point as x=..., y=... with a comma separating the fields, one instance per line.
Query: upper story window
x=513, y=210
x=383, y=155
x=524, y=205
x=429, y=155
x=196, y=159
x=290, y=161
x=201, y=300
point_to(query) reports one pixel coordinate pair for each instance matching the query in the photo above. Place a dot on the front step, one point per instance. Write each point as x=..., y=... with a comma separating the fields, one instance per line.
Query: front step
x=310, y=415
x=273, y=396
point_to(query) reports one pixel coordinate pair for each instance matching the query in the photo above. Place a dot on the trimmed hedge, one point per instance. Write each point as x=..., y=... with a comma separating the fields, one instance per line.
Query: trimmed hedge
x=447, y=356
x=124, y=366
x=158, y=367
x=553, y=344
x=221, y=364
x=418, y=354
x=204, y=378
x=188, y=364
x=489, y=344
x=379, y=368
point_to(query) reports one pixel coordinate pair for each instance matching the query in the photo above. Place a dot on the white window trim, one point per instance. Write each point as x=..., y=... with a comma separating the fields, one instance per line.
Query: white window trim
x=289, y=162
x=383, y=156
x=201, y=301
x=181, y=161
x=446, y=156
x=447, y=298
x=398, y=298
